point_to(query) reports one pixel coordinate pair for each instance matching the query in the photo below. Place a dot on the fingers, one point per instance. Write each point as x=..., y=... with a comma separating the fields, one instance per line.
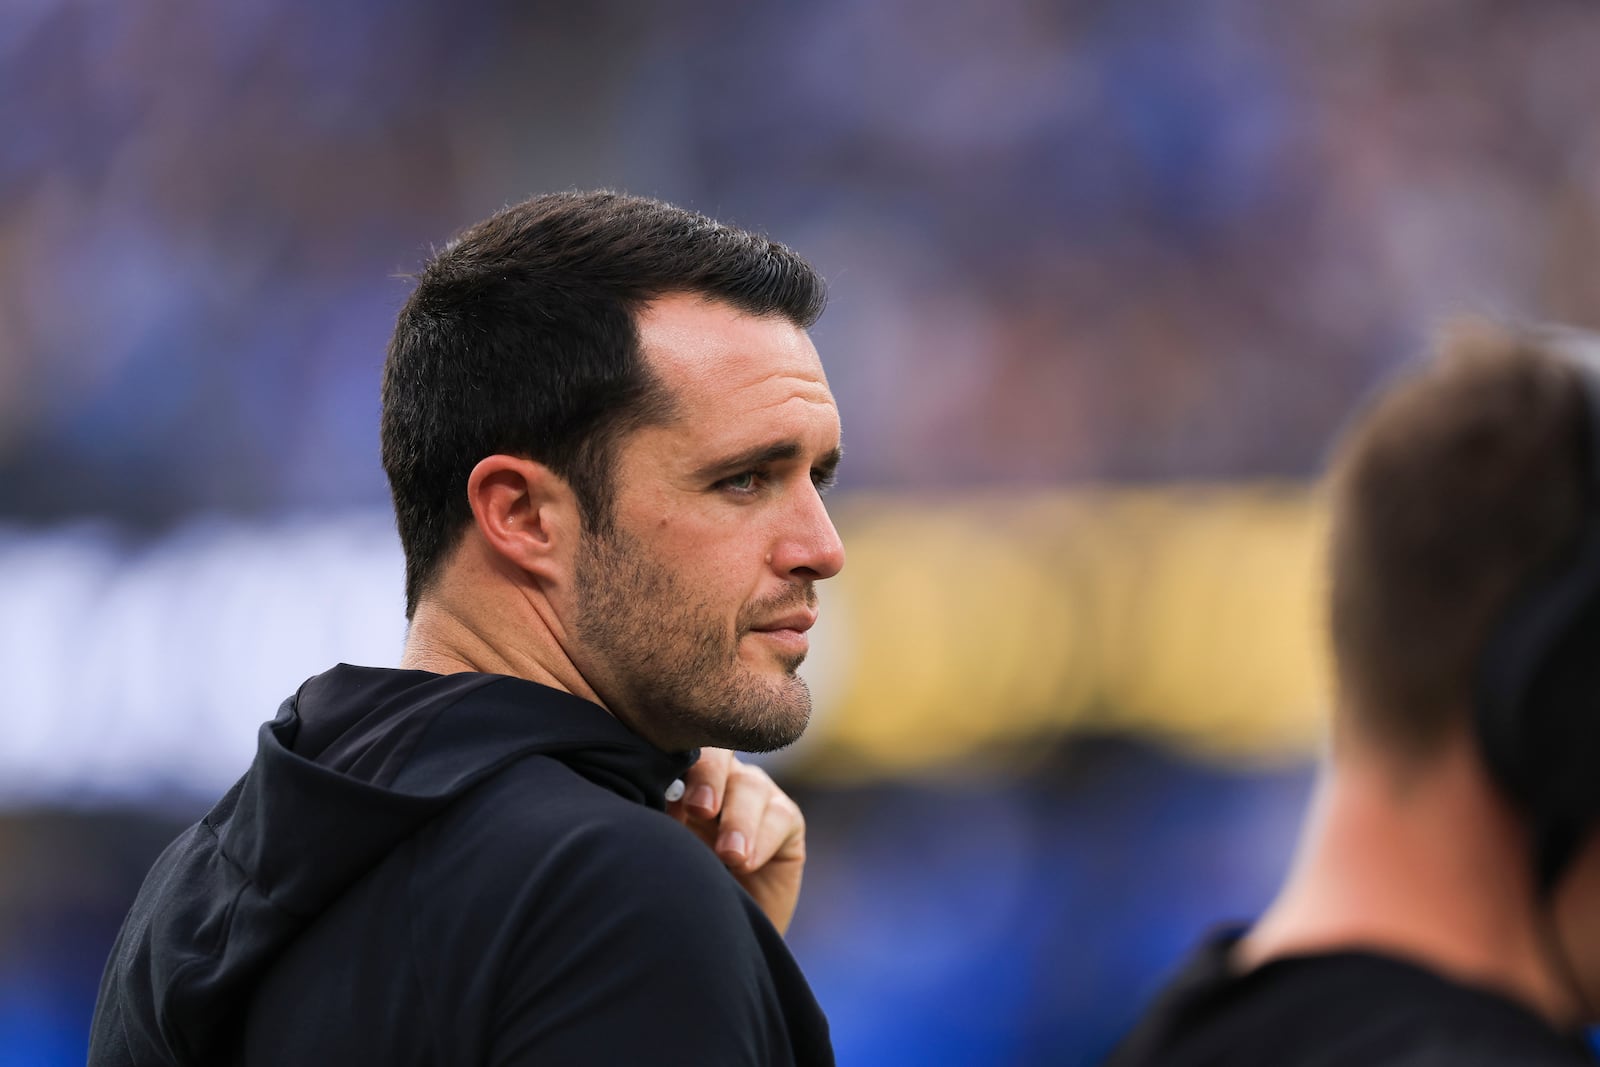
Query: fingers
x=781, y=835
x=751, y=825
x=739, y=811
x=745, y=800
x=706, y=783
x=760, y=823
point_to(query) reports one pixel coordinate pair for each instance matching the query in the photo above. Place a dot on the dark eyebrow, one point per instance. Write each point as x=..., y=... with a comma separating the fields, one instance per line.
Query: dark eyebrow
x=828, y=464
x=762, y=455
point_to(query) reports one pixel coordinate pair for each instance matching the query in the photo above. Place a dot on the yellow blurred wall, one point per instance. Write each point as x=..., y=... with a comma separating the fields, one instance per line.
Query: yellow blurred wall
x=968, y=630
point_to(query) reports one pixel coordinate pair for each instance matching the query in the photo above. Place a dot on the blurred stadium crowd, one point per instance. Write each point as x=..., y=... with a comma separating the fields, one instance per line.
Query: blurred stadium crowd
x=1067, y=241
x=1074, y=244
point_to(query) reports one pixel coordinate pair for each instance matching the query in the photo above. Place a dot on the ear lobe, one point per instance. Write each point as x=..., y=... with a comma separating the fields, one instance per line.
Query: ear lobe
x=525, y=512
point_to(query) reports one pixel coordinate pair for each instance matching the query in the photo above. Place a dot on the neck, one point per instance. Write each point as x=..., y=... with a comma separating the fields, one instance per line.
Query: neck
x=456, y=630
x=1424, y=862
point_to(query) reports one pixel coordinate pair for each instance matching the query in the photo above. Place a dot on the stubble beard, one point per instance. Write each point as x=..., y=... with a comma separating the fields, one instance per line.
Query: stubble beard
x=676, y=675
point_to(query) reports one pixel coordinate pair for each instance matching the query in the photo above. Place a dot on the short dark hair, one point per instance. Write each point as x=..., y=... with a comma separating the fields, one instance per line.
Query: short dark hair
x=1448, y=495
x=520, y=338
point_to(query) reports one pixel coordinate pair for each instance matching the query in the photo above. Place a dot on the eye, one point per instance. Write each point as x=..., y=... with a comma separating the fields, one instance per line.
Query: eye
x=743, y=482
x=823, y=480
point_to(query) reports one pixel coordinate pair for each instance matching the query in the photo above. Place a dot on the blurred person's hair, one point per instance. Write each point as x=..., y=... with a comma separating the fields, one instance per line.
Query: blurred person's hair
x=520, y=338
x=1448, y=495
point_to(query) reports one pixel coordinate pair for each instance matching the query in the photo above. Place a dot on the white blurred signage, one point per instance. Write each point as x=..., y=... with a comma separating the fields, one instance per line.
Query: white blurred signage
x=137, y=671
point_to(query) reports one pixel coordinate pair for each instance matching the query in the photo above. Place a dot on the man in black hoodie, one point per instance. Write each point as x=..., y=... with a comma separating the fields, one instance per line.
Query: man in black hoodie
x=1444, y=907
x=607, y=434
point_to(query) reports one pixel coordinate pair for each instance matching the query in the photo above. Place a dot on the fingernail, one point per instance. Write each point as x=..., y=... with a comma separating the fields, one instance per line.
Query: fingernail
x=703, y=798
x=731, y=842
x=674, y=791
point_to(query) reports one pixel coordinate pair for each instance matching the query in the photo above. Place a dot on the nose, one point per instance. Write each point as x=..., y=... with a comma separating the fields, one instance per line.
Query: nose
x=809, y=547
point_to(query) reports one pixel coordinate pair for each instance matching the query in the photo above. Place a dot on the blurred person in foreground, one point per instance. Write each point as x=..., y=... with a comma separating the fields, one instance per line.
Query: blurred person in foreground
x=1444, y=904
x=607, y=434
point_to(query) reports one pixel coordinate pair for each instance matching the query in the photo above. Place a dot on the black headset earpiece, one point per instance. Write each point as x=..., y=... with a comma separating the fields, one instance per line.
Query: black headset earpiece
x=1538, y=692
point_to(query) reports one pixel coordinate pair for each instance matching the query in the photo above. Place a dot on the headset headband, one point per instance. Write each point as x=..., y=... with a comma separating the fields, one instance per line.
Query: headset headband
x=1528, y=714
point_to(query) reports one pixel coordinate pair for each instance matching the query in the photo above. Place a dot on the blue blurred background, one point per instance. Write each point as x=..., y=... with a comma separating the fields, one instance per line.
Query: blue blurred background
x=1106, y=277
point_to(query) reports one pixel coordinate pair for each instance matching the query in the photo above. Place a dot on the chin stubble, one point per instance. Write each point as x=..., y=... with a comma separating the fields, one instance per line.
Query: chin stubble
x=678, y=674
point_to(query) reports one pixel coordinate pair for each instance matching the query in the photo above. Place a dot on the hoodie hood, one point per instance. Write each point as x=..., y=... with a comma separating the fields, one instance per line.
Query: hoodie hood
x=354, y=763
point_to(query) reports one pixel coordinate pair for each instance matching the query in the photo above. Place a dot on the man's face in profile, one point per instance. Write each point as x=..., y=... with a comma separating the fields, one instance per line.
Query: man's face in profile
x=692, y=613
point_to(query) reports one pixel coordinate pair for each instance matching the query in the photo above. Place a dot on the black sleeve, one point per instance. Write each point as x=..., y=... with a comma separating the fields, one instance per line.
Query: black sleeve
x=642, y=950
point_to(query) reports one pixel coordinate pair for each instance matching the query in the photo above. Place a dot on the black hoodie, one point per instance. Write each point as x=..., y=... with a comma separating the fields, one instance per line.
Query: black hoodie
x=1335, y=1009
x=458, y=869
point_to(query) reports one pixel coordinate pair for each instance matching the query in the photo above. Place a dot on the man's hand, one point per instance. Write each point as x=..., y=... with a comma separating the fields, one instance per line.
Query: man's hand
x=752, y=826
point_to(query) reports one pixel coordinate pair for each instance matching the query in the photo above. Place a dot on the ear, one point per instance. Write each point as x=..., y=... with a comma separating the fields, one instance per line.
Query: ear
x=526, y=513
